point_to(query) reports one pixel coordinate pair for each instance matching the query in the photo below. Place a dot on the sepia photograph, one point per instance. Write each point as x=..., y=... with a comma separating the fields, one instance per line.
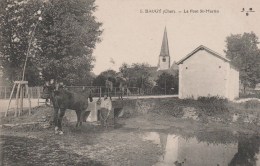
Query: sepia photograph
x=129, y=83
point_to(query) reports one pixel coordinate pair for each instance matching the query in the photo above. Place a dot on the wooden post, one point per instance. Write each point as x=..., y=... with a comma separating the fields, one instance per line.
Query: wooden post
x=21, y=99
x=5, y=92
x=17, y=99
x=38, y=95
x=115, y=92
x=10, y=100
x=20, y=92
x=29, y=97
x=100, y=92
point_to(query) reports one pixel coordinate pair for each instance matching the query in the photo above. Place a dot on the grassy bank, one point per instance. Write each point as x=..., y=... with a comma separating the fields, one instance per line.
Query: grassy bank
x=205, y=109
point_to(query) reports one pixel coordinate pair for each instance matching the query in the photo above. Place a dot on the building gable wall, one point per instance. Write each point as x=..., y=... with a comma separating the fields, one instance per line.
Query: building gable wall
x=202, y=75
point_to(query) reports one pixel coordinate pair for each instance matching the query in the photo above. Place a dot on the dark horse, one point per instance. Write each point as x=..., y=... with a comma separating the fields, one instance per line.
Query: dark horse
x=63, y=99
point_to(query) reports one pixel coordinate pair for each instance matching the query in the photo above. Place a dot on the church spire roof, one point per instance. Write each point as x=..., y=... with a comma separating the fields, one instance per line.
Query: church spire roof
x=165, y=46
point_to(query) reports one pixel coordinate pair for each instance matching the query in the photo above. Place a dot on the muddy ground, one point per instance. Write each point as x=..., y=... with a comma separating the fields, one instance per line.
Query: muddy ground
x=28, y=140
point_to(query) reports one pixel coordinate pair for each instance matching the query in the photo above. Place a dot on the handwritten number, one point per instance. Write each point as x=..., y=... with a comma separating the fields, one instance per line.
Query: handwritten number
x=247, y=12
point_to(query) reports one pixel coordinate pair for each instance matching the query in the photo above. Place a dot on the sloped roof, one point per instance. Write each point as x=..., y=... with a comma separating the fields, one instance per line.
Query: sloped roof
x=201, y=47
x=165, y=46
x=174, y=66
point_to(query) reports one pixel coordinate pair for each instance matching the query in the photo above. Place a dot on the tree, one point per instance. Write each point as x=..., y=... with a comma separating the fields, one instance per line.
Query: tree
x=137, y=74
x=64, y=36
x=17, y=20
x=71, y=35
x=100, y=80
x=245, y=56
x=167, y=83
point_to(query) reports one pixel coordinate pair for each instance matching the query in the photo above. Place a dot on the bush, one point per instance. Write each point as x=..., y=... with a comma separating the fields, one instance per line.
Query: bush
x=213, y=105
x=250, y=95
x=252, y=104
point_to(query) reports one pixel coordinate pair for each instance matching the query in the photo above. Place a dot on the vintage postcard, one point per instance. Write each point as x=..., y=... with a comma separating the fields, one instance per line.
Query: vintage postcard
x=130, y=82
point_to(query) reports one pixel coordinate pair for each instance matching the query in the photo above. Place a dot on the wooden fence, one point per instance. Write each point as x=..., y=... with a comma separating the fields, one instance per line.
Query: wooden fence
x=97, y=91
x=5, y=92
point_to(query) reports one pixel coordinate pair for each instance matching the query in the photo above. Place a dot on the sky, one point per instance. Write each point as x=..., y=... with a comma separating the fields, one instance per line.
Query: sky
x=133, y=29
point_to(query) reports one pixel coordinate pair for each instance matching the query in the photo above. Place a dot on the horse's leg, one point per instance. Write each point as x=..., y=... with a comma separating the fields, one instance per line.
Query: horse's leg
x=55, y=119
x=62, y=113
x=122, y=93
x=78, y=112
x=110, y=91
x=82, y=117
x=56, y=110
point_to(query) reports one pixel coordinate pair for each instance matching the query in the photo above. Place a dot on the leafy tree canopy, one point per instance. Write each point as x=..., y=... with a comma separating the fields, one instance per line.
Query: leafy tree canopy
x=62, y=35
x=139, y=75
x=110, y=75
x=245, y=56
x=167, y=83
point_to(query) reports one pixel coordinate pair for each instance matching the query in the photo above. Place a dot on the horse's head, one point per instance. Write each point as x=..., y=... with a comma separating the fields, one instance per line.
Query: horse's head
x=48, y=88
x=52, y=88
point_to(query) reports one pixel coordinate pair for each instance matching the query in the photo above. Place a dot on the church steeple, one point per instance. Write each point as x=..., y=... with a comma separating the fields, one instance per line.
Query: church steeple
x=165, y=46
x=164, y=57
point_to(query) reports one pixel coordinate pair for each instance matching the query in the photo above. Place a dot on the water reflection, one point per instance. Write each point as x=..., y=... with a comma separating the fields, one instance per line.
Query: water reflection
x=203, y=149
x=248, y=152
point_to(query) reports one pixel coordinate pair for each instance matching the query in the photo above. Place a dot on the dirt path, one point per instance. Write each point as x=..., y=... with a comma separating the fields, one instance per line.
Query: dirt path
x=90, y=144
x=31, y=151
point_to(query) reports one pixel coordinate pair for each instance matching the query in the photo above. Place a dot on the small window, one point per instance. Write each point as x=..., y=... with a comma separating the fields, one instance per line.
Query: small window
x=186, y=67
x=219, y=67
x=164, y=59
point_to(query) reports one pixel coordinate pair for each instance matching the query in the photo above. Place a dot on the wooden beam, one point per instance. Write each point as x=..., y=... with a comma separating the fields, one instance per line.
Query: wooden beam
x=21, y=100
x=21, y=82
x=29, y=97
x=17, y=99
x=10, y=100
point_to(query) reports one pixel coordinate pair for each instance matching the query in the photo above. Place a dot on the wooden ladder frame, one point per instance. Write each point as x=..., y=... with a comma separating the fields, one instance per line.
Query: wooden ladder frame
x=21, y=86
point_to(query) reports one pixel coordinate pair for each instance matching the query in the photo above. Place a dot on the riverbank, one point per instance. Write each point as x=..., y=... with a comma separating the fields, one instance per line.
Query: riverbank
x=207, y=110
x=144, y=135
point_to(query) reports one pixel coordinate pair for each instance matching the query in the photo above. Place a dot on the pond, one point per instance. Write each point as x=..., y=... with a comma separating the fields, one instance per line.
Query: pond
x=206, y=149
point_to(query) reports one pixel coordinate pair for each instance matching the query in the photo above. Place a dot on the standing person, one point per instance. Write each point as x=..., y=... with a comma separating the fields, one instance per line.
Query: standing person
x=52, y=88
x=52, y=85
x=46, y=93
x=105, y=111
x=109, y=87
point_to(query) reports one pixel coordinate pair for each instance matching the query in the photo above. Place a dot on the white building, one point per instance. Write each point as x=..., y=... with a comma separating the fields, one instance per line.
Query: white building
x=204, y=72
